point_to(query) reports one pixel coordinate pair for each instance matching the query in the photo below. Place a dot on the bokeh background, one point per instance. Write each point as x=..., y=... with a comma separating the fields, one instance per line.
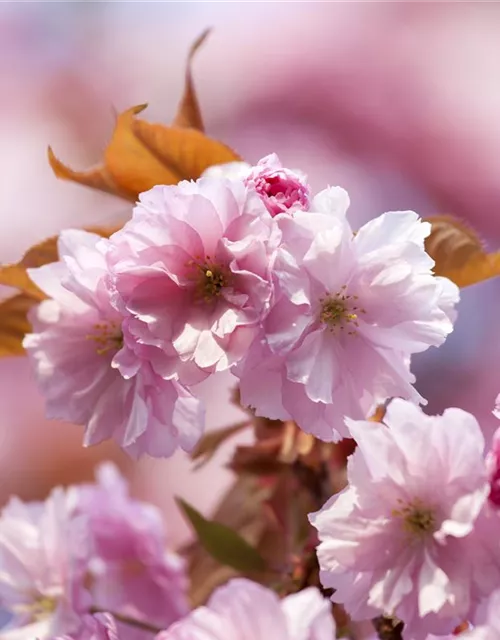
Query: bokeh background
x=397, y=102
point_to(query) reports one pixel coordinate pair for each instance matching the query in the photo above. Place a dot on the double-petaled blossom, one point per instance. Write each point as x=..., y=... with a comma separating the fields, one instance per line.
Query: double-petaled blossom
x=348, y=312
x=244, y=610
x=282, y=190
x=396, y=540
x=44, y=552
x=193, y=270
x=132, y=572
x=493, y=462
x=90, y=548
x=484, y=542
x=88, y=367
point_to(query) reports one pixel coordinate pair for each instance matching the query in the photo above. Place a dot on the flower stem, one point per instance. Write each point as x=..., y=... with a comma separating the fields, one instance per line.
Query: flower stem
x=138, y=624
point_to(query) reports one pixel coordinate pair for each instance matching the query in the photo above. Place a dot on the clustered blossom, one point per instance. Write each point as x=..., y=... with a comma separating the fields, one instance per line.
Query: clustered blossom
x=282, y=190
x=404, y=537
x=348, y=312
x=243, y=610
x=90, y=369
x=89, y=548
x=245, y=270
x=93, y=548
x=44, y=552
x=242, y=270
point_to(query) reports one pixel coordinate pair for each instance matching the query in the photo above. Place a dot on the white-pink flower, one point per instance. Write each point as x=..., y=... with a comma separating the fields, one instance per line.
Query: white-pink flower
x=244, y=610
x=101, y=626
x=282, y=190
x=395, y=540
x=493, y=461
x=348, y=312
x=132, y=571
x=43, y=556
x=193, y=268
x=489, y=626
x=91, y=371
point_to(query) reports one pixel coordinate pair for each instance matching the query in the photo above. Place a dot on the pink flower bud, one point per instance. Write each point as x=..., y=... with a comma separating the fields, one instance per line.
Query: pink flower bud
x=281, y=190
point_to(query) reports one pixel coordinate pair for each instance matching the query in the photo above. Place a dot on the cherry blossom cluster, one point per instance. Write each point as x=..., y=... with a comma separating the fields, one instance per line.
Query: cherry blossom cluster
x=415, y=532
x=91, y=563
x=88, y=548
x=243, y=270
x=246, y=270
x=66, y=564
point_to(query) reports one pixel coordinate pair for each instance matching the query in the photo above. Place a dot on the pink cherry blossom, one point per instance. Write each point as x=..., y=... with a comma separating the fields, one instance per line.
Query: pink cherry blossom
x=493, y=461
x=348, y=312
x=489, y=626
x=282, y=190
x=193, y=268
x=395, y=540
x=90, y=370
x=100, y=626
x=43, y=556
x=133, y=572
x=244, y=610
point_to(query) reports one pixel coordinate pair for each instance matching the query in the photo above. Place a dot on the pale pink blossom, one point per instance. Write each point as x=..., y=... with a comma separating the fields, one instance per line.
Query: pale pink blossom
x=89, y=369
x=484, y=542
x=132, y=570
x=245, y=610
x=193, y=268
x=348, y=312
x=282, y=190
x=488, y=628
x=101, y=626
x=395, y=540
x=493, y=466
x=43, y=556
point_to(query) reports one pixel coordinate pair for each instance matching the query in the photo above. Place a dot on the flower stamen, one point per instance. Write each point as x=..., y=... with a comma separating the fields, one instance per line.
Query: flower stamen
x=338, y=312
x=210, y=278
x=108, y=336
x=37, y=610
x=417, y=518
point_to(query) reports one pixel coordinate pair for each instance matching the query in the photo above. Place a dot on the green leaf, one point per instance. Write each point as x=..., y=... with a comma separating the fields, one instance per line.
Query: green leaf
x=211, y=441
x=222, y=543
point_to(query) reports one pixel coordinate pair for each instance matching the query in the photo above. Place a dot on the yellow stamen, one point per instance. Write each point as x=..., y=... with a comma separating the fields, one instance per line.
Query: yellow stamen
x=339, y=312
x=210, y=278
x=108, y=336
x=417, y=519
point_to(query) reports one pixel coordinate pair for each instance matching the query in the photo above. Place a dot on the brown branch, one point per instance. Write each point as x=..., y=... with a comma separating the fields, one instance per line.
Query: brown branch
x=388, y=628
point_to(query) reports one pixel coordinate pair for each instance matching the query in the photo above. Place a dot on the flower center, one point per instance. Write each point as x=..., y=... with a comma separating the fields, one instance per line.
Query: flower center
x=210, y=278
x=108, y=336
x=39, y=609
x=339, y=312
x=417, y=519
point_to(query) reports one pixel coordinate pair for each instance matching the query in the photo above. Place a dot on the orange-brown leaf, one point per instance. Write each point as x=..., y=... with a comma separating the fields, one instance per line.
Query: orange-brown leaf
x=188, y=112
x=141, y=155
x=96, y=178
x=15, y=275
x=184, y=153
x=459, y=253
x=14, y=324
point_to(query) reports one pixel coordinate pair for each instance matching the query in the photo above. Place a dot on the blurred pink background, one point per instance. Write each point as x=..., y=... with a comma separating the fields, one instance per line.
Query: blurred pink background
x=397, y=102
